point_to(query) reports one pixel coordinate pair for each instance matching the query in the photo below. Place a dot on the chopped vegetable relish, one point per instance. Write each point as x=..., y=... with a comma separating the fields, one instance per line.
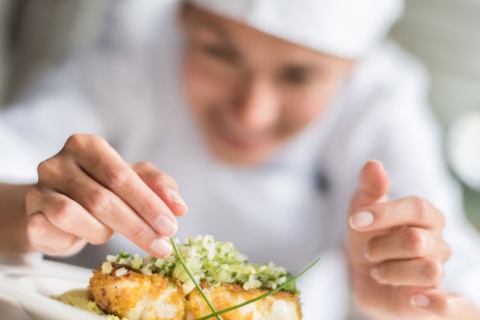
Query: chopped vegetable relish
x=209, y=261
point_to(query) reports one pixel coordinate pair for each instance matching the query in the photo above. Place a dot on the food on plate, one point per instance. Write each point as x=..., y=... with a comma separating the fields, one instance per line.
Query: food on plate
x=139, y=288
x=80, y=298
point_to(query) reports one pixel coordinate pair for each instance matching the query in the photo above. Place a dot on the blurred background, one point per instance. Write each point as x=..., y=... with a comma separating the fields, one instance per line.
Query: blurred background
x=444, y=34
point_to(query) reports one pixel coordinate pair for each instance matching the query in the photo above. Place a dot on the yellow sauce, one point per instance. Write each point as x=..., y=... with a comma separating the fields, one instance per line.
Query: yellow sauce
x=79, y=298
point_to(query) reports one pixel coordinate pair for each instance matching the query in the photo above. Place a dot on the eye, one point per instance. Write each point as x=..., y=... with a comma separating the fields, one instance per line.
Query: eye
x=296, y=76
x=220, y=53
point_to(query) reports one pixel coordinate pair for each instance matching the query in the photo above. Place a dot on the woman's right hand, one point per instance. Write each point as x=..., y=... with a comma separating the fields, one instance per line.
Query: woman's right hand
x=87, y=193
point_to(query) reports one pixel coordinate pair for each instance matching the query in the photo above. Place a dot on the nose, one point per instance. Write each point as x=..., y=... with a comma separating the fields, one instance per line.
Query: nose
x=257, y=104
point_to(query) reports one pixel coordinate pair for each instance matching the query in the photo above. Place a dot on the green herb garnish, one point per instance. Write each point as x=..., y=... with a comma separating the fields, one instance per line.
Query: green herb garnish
x=193, y=279
x=212, y=262
x=215, y=263
x=269, y=293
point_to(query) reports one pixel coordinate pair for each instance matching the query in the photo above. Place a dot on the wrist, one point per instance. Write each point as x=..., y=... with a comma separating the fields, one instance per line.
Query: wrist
x=13, y=229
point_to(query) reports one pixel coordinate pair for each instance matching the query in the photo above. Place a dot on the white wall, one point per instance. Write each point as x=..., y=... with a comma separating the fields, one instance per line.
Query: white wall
x=45, y=32
x=4, y=12
x=445, y=34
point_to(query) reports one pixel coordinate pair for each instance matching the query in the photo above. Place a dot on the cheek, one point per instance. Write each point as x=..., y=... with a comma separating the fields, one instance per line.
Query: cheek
x=306, y=106
x=198, y=86
x=318, y=98
x=205, y=83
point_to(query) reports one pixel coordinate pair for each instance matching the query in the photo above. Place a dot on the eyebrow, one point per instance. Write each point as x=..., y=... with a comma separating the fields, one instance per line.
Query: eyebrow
x=223, y=36
x=307, y=68
x=212, y=26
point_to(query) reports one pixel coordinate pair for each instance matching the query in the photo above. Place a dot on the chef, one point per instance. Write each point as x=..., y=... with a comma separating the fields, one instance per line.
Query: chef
x=262, y=120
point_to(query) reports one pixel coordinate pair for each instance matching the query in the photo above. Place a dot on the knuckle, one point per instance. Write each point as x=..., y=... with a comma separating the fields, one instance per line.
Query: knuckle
x=61, y=213
x=421, y=208
x=46, y=168
x=117, y=178
x=100, y=202
x=432, y=270
x=145, y=208
x=416, y=241
x=76, y=141
x=80, y=141
x=140, y=232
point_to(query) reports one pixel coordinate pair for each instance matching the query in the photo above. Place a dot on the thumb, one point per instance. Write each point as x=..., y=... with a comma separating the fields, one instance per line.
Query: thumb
x=373, y=186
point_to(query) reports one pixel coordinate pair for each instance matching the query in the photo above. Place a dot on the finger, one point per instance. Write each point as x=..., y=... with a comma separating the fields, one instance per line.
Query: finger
x=163, y=185
x=67, y=215
x=421, y=272
x=47, y=238
x=411, y=211
x=104, y=165
x=373, y=185
x=440, y=303
x=406, y=243
x=113, y=212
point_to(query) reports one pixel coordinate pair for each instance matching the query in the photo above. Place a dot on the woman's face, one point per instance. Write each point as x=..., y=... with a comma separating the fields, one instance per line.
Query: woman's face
x=250, y=91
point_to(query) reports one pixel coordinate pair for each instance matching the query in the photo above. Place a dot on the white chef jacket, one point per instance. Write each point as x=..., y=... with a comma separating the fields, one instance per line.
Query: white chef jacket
x=291, y=209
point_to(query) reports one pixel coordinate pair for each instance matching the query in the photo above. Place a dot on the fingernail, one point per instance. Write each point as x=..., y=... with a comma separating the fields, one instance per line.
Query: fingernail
x=161, y=247
x=377, y=162
x=365, y=253
x=177, y=199
x=165, y=226
x=377, y=273
x=361, y=219
x=419, y=300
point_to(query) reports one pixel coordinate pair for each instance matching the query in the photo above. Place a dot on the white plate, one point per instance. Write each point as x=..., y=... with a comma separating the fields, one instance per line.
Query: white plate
x=32, y=286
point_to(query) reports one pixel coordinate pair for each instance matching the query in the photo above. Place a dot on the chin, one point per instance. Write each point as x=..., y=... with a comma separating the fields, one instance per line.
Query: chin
x=242, y=157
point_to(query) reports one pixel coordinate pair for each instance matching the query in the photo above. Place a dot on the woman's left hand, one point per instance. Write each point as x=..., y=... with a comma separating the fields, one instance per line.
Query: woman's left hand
x=397, y=252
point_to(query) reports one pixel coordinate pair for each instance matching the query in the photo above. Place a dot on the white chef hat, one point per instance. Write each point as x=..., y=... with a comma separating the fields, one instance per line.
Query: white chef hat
x=344, y=28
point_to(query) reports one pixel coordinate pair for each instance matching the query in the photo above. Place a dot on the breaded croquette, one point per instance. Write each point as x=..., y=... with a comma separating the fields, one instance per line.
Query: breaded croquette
x=281, y=305
x=137, y=296
x=134, y=295
x=159, y=289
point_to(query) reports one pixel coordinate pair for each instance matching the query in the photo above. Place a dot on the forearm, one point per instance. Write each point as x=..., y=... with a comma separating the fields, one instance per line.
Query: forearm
x=13, y=226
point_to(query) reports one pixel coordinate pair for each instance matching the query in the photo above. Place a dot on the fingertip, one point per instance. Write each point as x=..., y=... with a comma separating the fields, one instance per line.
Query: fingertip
x=165, y=225
x=440, y=303
x=161, y=248
x=361, y=220
x=373, y=166
x=180, y=207
x=374, y=178
x=374, y=162
x=420, y=300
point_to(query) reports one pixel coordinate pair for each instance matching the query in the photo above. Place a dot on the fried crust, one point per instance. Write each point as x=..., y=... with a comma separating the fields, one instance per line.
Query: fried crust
x=125, y=295
x=121, y=295
x=228, y=295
